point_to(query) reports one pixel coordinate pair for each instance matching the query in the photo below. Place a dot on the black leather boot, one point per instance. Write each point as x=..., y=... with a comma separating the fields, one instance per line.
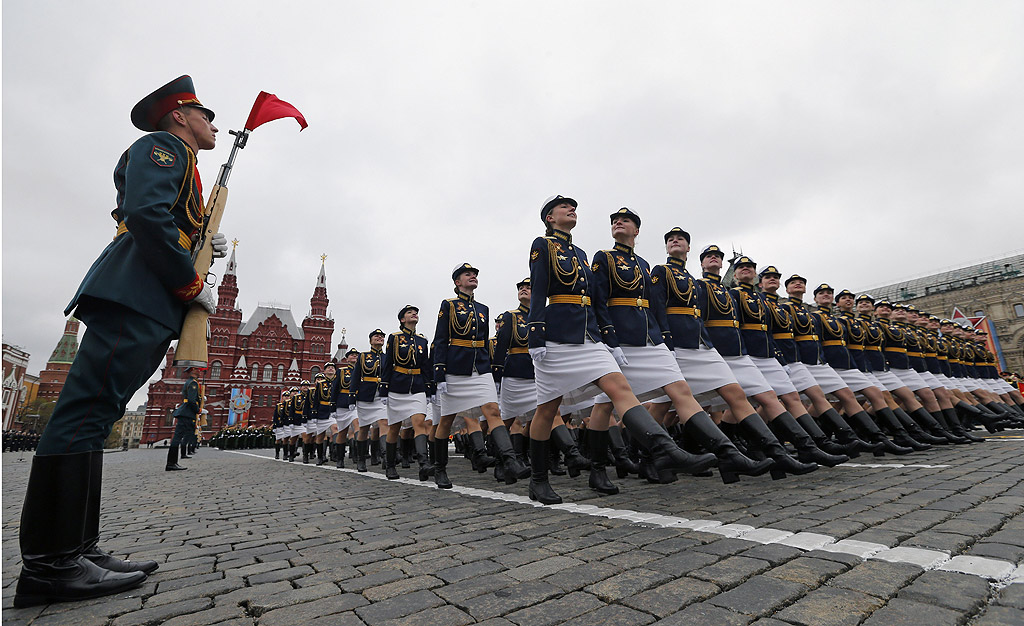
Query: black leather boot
x=441, y=464
x=362, y=451
x=91, y=533
x=846, y=436
x=927, y=422
x=759, y=436
x=823, y=441
x=53, y=522
x=574, y=461
x=731, y=462
x=868, y=430
x=306, y=447
x=391, y=460
x=405, y=444
x=665, y=454
x=423, y=457
x=540, y=488
x=277, y=451
x=916, y=430
x=172, y=460
x=321, y=456
x=519, y=444
x=514, y=468
x=987, y=418
x=599, y=442
x=947, y=429
x=480, y=459
x=899, y=433
x=555, y=462
x=957, y=428
x=375, y=448
x=624, y=466
x=786, y=428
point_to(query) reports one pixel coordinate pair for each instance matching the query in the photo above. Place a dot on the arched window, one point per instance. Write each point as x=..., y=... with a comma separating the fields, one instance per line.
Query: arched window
x=257, y=344
x=280, y=373
x=255, y=371
x=215, y=370
x=270, y=344
x=295, y=346
x=313, y=372
x=245, y=342
x=268, y=372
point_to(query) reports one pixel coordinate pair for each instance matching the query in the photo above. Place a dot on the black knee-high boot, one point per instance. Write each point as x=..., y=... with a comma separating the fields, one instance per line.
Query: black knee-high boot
x=277, y=450
x=731, y=462
x=423, y=457
x=958, y=428
x=786, y=428
x=869, y=431
x=479, y=457
x=391, y=460
x=624, y=466
x=886, y=417
x=823, y=441
x=374, y=445
x=759, y=436
x=321, y=451
x=514, y=468
x=52, y=531
x=405, y=451
x=561, y=440
x=599, y=443
x=846, y=435
x=362, y=451
x=91, y=532
x=918, y=431
x=665, y=454
x=946, y=428
x=540, y=488
x=441, y=464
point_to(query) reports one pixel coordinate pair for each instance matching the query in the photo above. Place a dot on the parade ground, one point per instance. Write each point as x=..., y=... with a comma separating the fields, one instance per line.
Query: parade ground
x=932, y=538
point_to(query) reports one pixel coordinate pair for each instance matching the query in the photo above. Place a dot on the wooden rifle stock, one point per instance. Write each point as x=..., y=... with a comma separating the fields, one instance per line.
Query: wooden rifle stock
x=192, y=344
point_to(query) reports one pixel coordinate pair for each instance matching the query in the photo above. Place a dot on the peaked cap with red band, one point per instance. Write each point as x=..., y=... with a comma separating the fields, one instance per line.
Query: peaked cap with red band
x=179, y=92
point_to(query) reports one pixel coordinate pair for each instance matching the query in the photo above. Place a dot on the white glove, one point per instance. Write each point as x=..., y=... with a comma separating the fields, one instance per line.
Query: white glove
x=538, y=354
x=220, y=245
x=619, y=357
x=206, y=300
x=442, y=388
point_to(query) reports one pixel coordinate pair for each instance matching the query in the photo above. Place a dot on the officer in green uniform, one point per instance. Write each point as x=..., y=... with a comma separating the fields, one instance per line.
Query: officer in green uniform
x=133, y=301
x=184, y=419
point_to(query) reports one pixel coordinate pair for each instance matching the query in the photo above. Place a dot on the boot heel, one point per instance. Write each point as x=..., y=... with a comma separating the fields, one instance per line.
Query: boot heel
x=778, y=474
x=729, y=478
x=879, y=453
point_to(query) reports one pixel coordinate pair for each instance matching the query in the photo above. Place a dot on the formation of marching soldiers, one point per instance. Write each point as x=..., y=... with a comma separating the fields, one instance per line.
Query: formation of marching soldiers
x=649, y=370
x=19, y=441
x=248, y=438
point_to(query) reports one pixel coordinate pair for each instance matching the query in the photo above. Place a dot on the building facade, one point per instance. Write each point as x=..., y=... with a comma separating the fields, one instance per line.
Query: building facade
x=15, y=363
x=53, y=376
x=132, y=425
x=994, y=289
x=264, y=354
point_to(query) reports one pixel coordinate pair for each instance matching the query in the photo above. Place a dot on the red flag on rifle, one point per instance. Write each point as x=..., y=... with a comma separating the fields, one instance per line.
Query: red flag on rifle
x=268, y=108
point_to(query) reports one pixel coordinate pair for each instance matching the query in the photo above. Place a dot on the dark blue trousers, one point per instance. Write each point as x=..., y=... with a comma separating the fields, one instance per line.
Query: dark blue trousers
x=119, y=352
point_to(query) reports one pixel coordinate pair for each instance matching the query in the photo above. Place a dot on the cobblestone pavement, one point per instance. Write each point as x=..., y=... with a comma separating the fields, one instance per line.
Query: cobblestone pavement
x=932, y=538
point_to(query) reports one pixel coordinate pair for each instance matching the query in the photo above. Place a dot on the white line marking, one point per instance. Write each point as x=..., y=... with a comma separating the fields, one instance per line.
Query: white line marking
x=1002, y=573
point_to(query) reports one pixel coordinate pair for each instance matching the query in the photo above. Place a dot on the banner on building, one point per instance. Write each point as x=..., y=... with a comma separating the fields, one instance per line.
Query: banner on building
x=983, y=323
x=238, y=407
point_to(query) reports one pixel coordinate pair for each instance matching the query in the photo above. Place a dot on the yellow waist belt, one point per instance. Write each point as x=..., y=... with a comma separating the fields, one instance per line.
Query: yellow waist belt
x=806, y=337
x=753, y=327
x=875, y=348
x=782, y=335
x=833, y=342
x=371, y=379
x=183, y=240
x=944, y=358
x=466, y=343
x=682, y=310
x=519, y=351
x=570, y=299
x=919, y=355
x=637, y=302
x=899, y=350
x=932, y=355
x=406, y=370
x=325, y=403
x=853, y=347
x=722, y=323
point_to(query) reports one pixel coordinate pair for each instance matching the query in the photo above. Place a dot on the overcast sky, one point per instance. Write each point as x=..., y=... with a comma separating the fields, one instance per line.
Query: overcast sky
x=858, y=143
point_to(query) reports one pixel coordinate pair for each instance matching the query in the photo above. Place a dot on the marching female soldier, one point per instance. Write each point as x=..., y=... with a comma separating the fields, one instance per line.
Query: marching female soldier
x=404, y=382
x=571, y=360
x=370, y=408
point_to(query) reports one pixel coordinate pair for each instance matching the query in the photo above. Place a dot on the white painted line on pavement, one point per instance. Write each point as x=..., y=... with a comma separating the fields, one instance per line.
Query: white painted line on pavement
x=1002, y=573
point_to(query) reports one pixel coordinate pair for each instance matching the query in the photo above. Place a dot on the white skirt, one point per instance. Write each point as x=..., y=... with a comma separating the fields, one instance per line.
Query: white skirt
x=371, y=412
x=518, y=399
x=344, y=417
x=649, y=369
x=854, y=379
x=467, y=393
x=888, y=380
x=932, y=380
x=704, y=370
x=800, y=376
x=747, y=375
x=910, y=378
x=777, y=377
x=324, y=425
x=294, y=430
x=402, y=406
x=826, y=377
x=279, y=432
x=569, y=371
x=309, y=427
